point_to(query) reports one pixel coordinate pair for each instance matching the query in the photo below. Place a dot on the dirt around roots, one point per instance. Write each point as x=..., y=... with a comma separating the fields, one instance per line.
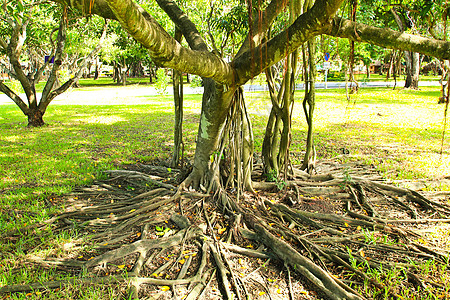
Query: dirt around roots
x=344, y=234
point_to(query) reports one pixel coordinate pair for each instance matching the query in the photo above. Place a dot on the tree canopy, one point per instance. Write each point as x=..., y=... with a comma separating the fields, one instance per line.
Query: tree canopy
x=321, y=19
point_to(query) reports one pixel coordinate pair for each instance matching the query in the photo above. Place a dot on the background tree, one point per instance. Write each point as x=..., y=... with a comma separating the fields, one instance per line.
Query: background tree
x=18, y=20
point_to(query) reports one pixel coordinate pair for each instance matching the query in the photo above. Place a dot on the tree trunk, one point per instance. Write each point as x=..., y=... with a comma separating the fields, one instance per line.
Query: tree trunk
x=124, y=73
x=412, y=70
x=215, y=106
x=392, y=61
x=35, y=118
x=96, y=74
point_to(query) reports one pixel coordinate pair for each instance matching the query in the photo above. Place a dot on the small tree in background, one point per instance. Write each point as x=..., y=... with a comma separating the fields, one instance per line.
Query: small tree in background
x=22, y=33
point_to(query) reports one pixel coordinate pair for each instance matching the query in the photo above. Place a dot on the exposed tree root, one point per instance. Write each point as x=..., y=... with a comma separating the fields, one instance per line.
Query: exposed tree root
x=335, y=231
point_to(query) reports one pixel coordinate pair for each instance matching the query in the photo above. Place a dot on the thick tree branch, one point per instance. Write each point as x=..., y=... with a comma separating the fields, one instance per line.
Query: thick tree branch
x=13, y=50
x=14, y=97
x=319, y=20
x=89, y=7
x=164, y=49
x=183, y=22
x=389, y=38
x=3, y=43
x=314, y=22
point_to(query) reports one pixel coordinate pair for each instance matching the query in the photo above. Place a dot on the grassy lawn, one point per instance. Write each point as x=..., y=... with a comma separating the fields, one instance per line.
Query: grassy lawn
x=397, y=131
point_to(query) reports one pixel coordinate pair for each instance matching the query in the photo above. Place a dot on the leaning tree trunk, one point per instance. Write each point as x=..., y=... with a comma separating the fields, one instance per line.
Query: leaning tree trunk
x=96, y=73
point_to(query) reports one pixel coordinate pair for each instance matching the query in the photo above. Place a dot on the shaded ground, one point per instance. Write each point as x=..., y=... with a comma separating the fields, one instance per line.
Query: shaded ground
x=344, y=232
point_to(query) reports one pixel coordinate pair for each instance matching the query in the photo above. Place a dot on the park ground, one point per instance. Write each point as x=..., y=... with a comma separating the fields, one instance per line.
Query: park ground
x=400, y=133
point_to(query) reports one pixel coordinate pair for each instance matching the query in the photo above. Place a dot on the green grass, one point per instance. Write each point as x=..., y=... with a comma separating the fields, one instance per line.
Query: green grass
x=398, y=131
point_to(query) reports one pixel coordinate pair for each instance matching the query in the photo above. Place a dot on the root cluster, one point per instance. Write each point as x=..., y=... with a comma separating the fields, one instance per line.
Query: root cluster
x=323, y=235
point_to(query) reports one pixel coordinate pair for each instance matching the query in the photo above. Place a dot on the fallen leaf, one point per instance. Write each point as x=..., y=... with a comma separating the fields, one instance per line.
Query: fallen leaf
x=221, y=230
x=164, y=288
x=181, y=261
x=121, y=266
x=261, y=293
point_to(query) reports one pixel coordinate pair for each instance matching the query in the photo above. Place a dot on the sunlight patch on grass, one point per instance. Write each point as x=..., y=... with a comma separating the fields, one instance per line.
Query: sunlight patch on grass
x=108, y=120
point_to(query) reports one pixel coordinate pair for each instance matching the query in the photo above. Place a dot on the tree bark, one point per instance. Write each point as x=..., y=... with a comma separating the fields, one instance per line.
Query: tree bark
x=35, y=118
x=389, y=38
x=215, y=106
x=412, y=70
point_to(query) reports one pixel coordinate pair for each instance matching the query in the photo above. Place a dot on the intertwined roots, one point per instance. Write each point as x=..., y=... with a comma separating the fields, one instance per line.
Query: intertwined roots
x=329, y=232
